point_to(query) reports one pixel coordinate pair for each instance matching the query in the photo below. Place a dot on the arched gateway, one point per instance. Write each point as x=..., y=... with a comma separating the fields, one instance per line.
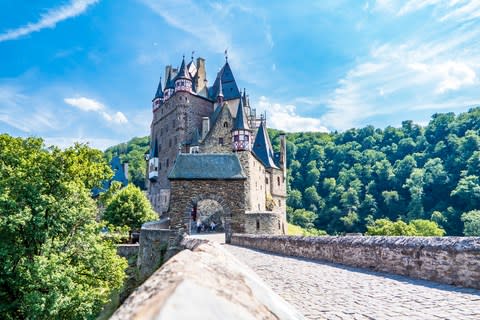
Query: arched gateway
x=198, y=177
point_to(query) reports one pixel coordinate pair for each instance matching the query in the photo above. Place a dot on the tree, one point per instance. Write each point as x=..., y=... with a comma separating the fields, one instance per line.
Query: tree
x=54, y=263
x=129, y=207
x=427, y=228
x=303, y=218
x=418, y=227
x=471, y=222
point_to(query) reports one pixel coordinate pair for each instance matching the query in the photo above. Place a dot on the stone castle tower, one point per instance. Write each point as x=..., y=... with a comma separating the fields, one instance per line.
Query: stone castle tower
x=207, y=143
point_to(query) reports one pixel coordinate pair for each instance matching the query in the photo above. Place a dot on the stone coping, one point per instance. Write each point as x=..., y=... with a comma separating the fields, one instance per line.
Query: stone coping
x=204, y=281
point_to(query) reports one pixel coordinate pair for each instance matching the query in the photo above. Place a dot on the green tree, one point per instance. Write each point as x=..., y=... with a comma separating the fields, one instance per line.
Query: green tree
x=54, y=263
x=129, y=207
x=385, y=227
x=471, y=222
x=427, y=228
x=303, y=218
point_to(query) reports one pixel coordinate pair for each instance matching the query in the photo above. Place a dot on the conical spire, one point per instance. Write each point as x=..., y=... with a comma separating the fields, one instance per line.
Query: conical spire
x=241, y=119
x=220, y=92
x=169, y=84
x=195, y=138
x=263, y=148
x=159, y=93
x=183, y=72
x=229, y=86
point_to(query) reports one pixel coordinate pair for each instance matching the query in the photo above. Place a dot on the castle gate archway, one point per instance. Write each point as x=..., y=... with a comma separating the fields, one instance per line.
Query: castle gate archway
x=188, y=194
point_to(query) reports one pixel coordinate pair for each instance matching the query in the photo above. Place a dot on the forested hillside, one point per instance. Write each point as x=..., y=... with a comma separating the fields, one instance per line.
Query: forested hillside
x=350, y=179
x=344, y=181
x=132, y=151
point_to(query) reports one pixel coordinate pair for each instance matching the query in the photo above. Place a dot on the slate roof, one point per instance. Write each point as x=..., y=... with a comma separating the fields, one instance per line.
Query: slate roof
x=170, y=84
x=262, y=147
x=229, y=85
x=118, y=175
x=241, y=119
x=183, y=72
x=216, y=166
x=195, y=138
x=154, y=150
x=159, y=93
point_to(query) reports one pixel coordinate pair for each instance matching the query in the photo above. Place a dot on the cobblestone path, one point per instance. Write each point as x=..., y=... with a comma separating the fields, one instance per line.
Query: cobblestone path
x=328, y=291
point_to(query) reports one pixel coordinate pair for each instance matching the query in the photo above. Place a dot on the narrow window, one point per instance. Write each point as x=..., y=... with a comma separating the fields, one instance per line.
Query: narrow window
x=279, y=227
x=258, y=224
x=266, y=180
x=220, y=141
x=225, y=124
x=279, y=204
x=278, y=181
x=167, y=163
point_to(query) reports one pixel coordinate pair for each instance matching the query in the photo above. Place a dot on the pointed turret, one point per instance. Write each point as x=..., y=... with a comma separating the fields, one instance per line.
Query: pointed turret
x=241, y=133
x=158, y=99
x=169, y=85
x=229, y=86
x=220, y=93
x=262, y=147
x=153, y=162
x=183, y=81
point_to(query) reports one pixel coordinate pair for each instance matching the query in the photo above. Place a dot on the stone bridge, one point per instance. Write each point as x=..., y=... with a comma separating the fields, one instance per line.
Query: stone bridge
x=322, y=290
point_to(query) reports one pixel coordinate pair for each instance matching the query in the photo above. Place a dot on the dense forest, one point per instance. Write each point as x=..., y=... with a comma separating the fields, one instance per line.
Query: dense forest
x=343, y=182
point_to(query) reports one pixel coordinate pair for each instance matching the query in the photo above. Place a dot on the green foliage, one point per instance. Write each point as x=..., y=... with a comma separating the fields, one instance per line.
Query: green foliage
x=54, y=263
x=418, y=227
x=348, y=179
x=471, y=220
x=129, y=207
x=294, y=230
x=134, y=152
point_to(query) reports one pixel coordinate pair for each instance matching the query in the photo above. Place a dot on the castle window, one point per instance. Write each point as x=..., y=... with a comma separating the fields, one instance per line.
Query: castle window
x=167, y=163
x=225, y=124
x=258, y=224
x=220, y=141
x=266, y=180
x=279, y=204
x=236, y=138
x=160, y=165
x=246, y=138
x=278, y=224
x=278, y=181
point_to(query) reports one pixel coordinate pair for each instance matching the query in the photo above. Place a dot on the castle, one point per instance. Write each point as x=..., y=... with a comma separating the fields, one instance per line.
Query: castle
x=208, y=144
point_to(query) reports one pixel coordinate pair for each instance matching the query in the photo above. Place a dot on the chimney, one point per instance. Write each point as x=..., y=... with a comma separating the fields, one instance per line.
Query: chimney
x=205, y=126
x=201, y=78
x=283, y=154
x=125, y=169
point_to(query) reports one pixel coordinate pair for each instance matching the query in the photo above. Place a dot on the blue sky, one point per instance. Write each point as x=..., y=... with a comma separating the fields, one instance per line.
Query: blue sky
x=86, y=70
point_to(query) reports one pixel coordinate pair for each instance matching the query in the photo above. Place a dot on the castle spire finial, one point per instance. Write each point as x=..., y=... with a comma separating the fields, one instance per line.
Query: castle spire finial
x=193, y=52
x=226, y=55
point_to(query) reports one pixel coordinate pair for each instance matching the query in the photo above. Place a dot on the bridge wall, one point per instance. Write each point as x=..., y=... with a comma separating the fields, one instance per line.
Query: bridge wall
x=451, y=260
x=204, y=281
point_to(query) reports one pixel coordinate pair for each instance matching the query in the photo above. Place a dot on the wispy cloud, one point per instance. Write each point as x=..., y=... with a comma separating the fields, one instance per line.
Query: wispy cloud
x=87, y=104
x=94, y=142
x=49, y=19
x=285, y=117
x=434, y=71
x=13, y=102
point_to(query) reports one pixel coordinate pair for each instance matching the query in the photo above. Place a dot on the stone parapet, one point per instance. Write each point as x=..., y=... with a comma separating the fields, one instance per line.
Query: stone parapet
x=451, y=260
x=204, y=281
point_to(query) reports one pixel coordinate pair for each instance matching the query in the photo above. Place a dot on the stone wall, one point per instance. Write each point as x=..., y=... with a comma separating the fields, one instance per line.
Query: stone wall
x=204, y=281
x=220, y=129
x=264, y=223
x=451, y=260
x=152, y=249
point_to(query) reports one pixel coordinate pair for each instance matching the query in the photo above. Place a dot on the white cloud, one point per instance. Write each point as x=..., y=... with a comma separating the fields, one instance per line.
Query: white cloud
x=285, y=117
x=87, y=104
x=434, y=72
x=49, y=19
